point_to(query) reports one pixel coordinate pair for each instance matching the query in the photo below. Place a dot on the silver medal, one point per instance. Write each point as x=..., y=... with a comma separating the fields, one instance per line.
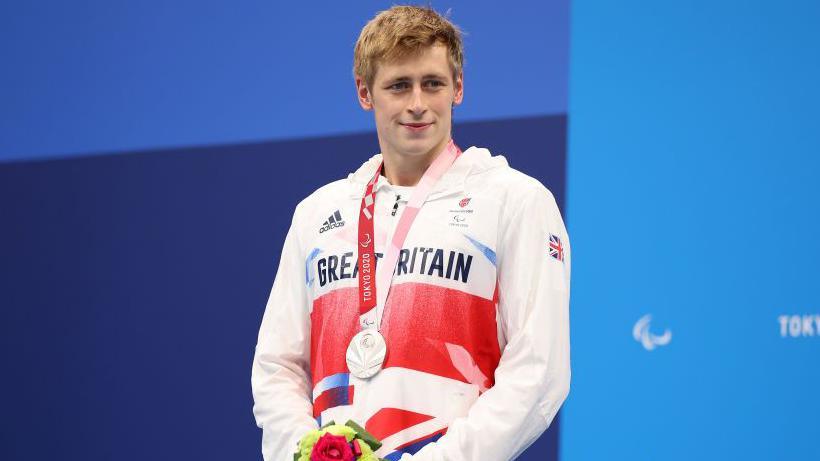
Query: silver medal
x=366, y=353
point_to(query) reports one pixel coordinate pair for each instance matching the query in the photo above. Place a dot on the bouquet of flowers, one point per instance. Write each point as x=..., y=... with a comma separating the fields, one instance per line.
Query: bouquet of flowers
x=338, y=442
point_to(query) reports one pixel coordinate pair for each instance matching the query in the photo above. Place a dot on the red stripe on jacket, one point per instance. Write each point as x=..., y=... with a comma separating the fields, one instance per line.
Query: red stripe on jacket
x=419, y=319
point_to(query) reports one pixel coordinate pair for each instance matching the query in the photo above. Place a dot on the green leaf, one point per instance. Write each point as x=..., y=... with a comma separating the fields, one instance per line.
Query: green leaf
x=362, y=434
x=329, y=423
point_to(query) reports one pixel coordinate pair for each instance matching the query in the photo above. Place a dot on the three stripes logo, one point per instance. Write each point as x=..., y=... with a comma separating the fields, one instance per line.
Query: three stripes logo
x=335, y=220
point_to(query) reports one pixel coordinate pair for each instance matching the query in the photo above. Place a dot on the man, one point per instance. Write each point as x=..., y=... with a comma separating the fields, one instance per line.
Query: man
x=456, y=345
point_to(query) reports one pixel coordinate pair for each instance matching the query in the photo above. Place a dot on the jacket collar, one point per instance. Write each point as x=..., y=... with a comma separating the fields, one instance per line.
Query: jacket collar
x=471, y=161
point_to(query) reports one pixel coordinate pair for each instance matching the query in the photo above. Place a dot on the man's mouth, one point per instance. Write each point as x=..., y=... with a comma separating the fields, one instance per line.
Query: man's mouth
x=415, y=127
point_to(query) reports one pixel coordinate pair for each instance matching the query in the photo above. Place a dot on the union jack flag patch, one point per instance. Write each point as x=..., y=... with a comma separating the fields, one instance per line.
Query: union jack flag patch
x=555, y=248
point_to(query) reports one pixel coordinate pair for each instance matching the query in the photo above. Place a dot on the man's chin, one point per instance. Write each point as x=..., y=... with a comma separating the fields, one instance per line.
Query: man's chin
x=413, y=150
x=418, y=149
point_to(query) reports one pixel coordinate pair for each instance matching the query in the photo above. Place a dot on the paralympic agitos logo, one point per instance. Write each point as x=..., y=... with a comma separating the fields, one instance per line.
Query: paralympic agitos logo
x=648, y=340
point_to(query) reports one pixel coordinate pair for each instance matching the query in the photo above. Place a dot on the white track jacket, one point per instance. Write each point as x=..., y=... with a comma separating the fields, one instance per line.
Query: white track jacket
x=476, y=322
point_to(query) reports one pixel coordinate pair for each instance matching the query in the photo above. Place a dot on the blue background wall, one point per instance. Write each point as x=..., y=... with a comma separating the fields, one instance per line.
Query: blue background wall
x=96, y=76
x=693, y=191
x=142, y=152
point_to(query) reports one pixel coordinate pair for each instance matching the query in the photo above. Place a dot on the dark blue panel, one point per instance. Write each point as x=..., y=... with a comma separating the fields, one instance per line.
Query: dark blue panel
x=133, y=287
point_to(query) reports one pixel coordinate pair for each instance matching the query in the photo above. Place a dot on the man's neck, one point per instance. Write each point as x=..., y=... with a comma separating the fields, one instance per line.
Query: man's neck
x=407, y=170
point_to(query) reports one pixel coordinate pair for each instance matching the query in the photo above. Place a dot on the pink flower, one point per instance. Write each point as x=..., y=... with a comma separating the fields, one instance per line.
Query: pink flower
x=331, y=447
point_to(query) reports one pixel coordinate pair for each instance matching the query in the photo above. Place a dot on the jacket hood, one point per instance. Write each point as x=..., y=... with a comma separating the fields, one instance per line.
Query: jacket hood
x=472, y=161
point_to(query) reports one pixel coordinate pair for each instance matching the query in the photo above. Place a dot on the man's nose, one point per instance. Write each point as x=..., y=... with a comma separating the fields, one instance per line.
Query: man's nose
x=417, y=105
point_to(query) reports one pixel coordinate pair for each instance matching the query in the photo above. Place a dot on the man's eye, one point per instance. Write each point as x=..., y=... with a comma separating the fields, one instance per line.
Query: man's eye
x=398, y=86
x=434, y=83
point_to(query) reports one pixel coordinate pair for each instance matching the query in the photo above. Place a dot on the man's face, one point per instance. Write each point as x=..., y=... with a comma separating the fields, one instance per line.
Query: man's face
x=412, y=100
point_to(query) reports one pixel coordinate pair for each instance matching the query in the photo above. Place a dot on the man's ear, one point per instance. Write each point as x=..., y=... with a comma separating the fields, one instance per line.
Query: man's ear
x=363, y=94
x=458, y=94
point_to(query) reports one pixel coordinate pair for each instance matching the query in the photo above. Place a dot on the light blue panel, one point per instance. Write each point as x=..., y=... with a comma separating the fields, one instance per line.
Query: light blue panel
x=102, y=76
x=693, y=196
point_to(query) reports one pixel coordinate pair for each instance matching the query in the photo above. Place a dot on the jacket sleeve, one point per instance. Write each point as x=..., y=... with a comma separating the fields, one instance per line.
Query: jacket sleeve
x=532, y=378
x=280, y=375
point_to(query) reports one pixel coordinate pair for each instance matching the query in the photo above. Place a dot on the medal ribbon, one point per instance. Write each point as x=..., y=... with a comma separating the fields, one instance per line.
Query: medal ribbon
x=371, y=301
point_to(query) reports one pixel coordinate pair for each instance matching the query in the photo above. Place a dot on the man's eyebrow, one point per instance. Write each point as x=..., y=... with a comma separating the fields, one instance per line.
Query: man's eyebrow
x=405, y=78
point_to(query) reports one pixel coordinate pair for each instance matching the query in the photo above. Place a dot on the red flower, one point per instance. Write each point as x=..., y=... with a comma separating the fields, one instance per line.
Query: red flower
x=331, y=447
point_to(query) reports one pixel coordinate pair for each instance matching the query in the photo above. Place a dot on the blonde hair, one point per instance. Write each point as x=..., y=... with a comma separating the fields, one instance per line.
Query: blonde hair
x=404, y=31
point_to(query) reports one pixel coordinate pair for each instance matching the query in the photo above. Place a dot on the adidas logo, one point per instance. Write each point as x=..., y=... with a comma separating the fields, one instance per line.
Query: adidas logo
x=334, y=221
